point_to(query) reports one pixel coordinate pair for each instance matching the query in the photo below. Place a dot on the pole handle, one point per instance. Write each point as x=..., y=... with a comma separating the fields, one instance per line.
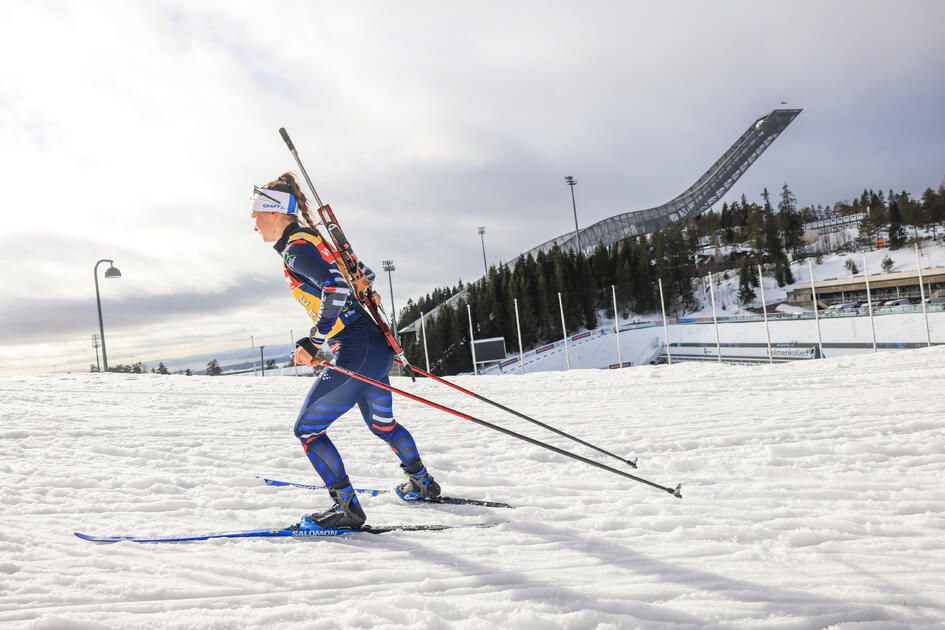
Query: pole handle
x=286, y=138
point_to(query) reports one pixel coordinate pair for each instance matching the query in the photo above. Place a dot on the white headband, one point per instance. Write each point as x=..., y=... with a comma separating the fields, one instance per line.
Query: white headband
x=273, y=201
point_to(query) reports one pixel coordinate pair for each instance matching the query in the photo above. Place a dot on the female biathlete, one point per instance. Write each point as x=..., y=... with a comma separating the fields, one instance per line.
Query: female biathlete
x=320, y=287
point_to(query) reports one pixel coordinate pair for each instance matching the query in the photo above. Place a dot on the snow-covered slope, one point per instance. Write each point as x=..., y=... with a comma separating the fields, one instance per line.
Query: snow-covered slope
x=599, y=348
x=843, y=334
x=813, y=496
x=831, y=267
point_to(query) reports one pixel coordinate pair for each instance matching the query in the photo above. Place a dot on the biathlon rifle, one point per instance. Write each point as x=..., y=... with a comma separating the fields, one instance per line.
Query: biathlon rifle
x=344, y=255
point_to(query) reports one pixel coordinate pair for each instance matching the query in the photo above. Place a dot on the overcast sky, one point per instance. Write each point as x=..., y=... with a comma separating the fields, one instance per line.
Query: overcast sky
x=135, y=131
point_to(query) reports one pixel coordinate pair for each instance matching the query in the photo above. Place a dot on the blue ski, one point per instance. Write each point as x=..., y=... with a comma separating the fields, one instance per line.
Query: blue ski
x=373, y=492
x=284, y=532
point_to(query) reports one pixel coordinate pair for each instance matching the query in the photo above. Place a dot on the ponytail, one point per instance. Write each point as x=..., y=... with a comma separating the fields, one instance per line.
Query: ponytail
x=288, y=184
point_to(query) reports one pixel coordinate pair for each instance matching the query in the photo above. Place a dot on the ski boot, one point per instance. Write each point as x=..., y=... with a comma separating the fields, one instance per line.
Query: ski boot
x=419, y=485
x=346, y=513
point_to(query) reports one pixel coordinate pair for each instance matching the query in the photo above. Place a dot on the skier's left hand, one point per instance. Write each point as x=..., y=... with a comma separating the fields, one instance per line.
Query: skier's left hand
x=302, y=357
x=310, y=354
x=323, y=356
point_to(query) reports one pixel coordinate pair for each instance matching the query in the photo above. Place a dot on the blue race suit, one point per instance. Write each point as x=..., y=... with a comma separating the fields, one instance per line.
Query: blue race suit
x=359, y=346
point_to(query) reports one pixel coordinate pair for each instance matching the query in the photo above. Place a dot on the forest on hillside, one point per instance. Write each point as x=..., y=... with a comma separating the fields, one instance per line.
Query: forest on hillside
x=762, y=232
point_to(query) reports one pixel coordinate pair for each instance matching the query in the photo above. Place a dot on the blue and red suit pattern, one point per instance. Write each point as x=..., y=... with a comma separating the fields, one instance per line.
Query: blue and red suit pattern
x=359, y=347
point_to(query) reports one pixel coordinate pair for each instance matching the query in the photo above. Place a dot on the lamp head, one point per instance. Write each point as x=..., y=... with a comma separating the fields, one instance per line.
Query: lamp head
x=112, y=272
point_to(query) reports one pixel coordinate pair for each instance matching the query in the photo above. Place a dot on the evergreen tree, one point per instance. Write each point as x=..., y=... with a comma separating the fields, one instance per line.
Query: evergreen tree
x=460, y=348
x=526, y=309
x=484, y=302
x=440, y=336
x=726, y=223
x=790, y=220
x=897, y=235
x=875, y=219
x=589, y=295
x=779, y=272
x=625, y=294
x=933, y=207
x=603, y=275
x=187, y=372
x=746, y=292
x=532, y=271
x=161, y=369
x=213, y=368
x=548, y=301
x=565, y=266
x=775, y=251
x=887, y=264
x=911, y=212
x=756, y=218
x=644, y=285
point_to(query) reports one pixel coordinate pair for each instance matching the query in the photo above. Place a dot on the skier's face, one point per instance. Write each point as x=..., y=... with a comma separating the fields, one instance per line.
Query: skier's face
x=269, y=225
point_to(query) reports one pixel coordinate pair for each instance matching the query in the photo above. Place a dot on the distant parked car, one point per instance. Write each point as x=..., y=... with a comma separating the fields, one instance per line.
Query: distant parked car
x=936, y=300
x=899, y=302
x=849, y=306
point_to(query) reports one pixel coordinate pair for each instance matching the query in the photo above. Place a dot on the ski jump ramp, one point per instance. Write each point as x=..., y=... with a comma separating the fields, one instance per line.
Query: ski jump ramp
x=693, y=201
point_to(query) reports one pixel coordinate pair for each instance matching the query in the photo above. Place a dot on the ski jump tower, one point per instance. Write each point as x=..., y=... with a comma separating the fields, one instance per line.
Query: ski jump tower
x=693, y=201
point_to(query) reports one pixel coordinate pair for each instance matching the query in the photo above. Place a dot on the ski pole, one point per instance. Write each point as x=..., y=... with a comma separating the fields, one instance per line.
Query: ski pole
x=631, y=462
x=676, y=492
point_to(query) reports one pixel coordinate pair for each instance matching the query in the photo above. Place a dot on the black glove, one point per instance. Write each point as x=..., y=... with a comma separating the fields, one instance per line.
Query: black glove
x=308, y=345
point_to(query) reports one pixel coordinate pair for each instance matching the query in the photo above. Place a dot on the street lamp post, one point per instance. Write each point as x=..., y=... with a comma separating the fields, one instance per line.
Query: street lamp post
x=111, y=272
x=485, y=267
x=389, y=267
x=570, y=181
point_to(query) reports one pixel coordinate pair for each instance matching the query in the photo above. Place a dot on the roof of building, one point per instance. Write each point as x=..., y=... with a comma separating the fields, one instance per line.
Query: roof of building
x=877, y=281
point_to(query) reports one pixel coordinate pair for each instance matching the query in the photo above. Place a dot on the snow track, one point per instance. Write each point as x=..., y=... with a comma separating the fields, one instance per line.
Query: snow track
x=813, y=498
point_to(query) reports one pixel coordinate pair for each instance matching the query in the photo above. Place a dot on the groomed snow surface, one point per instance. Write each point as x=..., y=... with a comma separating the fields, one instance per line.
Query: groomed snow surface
x=813, y=497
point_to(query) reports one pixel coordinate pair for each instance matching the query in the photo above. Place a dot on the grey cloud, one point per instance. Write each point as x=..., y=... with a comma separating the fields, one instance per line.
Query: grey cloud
x=33, y=320
x=421, y=122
